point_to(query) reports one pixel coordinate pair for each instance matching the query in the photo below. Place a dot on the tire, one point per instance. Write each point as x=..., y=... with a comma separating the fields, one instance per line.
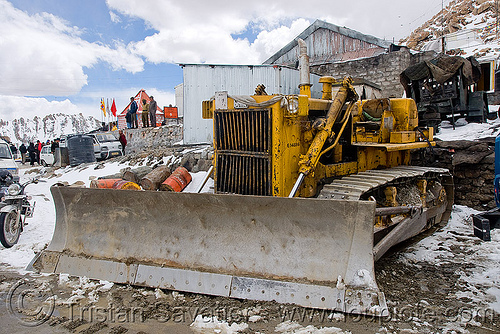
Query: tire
x=44, y=164
x=10, y=230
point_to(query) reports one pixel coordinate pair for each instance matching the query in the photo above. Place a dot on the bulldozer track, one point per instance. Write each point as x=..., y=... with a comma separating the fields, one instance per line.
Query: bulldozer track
x=352, y=187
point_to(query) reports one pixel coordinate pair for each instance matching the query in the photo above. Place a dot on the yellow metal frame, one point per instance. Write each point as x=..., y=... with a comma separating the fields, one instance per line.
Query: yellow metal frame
x=292, y=141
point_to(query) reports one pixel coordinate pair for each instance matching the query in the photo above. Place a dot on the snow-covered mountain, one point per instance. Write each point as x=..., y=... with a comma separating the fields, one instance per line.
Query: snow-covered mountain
x=470, y=27
x=47, y=128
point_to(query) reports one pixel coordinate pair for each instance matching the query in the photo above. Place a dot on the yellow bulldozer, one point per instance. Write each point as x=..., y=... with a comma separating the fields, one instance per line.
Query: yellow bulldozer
x=308, y=194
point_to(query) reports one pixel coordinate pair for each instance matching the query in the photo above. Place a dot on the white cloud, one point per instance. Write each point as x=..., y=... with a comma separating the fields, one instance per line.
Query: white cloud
x=28, y=108
x=201, y=31
x=162, y=98
x=46, y=56
x=114, y=17
x=269, y=42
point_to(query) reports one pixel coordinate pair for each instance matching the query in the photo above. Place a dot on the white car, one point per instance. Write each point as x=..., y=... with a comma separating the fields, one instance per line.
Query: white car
x=7, y=161
x=106, y=145
x=46, y=157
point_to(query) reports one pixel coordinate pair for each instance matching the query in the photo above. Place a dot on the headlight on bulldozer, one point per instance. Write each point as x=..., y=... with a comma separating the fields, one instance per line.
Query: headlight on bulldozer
x=14, y=189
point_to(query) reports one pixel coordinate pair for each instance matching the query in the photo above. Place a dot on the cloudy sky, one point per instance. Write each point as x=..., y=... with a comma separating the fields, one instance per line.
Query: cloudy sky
x=64, y=56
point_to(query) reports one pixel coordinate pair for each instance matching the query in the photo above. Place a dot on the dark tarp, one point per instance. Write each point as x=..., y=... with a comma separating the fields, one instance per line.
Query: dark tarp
x=441, y=69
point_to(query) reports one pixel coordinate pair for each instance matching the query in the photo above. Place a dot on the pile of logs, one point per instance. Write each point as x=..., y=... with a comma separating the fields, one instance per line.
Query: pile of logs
x=144, y=177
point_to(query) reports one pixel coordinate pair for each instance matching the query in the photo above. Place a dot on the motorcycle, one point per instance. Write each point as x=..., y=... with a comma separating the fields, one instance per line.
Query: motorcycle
x=15, y=207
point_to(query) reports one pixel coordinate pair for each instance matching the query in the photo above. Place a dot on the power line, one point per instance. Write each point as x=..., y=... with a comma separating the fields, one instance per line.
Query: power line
x=429, y=10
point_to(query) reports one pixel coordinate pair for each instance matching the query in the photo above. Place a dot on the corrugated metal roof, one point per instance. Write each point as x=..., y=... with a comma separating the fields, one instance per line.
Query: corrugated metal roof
x=324, y=39
x=201, y=81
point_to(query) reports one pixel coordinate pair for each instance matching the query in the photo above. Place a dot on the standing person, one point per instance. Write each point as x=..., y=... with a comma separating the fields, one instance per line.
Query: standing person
x=145, y=116
x=13, y=149
x=38, y=150
x=133, y=112
x=23, y=149
x=32, y=153
x=54, y=145
x=128, y=118
x=122, y=140
x=152, y=111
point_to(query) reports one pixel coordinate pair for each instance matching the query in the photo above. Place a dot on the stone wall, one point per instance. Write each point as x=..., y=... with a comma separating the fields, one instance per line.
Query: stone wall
x=472, y=164
x=494, y=97
x=383, y=70
x=145, y=139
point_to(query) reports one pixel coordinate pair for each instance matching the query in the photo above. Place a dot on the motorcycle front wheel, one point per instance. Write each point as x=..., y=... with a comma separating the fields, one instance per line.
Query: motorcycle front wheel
x=10, y=229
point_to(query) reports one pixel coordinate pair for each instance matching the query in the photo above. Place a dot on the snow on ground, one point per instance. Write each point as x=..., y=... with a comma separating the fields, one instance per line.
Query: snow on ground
x=38, y=233
x=471, y=131
x=292, y=327
x=203, y=324
x=455, y=243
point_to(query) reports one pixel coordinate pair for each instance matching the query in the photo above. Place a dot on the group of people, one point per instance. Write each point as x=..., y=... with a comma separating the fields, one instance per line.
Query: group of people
x=33, y=150
x=108, y=127
x=148, y=113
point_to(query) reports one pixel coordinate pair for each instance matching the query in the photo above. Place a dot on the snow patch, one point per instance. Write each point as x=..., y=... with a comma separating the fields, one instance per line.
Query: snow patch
x=480, y=282
x=203, y=324
x=470, y=131
x=292, y=327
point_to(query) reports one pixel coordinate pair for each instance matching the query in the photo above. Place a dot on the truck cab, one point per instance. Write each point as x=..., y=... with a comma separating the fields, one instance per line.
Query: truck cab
x=106, y=145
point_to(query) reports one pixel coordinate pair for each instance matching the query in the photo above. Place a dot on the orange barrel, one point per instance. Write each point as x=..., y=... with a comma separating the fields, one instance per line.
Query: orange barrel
x=177, y=181
x=126, y=185
x=103, y=183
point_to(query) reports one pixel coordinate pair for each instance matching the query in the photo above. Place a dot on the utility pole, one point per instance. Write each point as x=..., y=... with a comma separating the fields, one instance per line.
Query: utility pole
x=496, y=18
x=443, y=46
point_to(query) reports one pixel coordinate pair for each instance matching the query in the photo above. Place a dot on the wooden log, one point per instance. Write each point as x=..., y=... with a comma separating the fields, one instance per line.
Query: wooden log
x=113, y=176
x=154, y=178
x=136, y=174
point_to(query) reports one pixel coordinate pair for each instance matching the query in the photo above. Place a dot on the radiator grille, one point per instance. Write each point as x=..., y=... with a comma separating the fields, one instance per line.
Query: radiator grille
x=246, y=130
x=242, y=139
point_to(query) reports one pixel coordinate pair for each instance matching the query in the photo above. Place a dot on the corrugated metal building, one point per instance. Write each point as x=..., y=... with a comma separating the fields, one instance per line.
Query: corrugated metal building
x=201, y=81
x=327, y=43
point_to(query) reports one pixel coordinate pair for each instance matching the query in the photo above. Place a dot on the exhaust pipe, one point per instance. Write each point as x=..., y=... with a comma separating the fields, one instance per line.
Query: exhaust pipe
x=305, y=82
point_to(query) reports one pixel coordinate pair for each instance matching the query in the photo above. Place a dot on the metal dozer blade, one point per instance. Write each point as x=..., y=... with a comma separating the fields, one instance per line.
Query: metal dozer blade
x=290, y=250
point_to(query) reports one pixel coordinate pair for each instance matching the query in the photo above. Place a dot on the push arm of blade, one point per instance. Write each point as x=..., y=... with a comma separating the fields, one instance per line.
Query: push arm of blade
x=297, y=184
x=344, y=123
x=345, y=93
x=210, y=171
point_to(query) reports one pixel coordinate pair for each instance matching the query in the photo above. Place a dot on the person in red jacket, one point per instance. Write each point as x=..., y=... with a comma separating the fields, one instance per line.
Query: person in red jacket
x=38, y=150
x=122, y=140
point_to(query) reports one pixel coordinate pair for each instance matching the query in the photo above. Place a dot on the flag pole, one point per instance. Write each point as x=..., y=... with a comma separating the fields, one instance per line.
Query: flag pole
x=107, y=114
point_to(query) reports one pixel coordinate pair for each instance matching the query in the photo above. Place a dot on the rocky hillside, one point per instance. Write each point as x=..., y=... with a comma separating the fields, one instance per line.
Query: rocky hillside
x=46, y=128
x=478, y=16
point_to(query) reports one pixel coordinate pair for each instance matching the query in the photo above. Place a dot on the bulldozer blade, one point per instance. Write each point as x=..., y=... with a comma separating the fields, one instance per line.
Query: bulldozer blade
x=309, y=252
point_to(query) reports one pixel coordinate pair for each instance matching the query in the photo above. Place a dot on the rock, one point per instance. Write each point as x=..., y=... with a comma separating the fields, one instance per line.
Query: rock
x=204, y=165
x=78, y=184
x=468, y=158
x=455, y=144
x=489, y=159
x=481, y=147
